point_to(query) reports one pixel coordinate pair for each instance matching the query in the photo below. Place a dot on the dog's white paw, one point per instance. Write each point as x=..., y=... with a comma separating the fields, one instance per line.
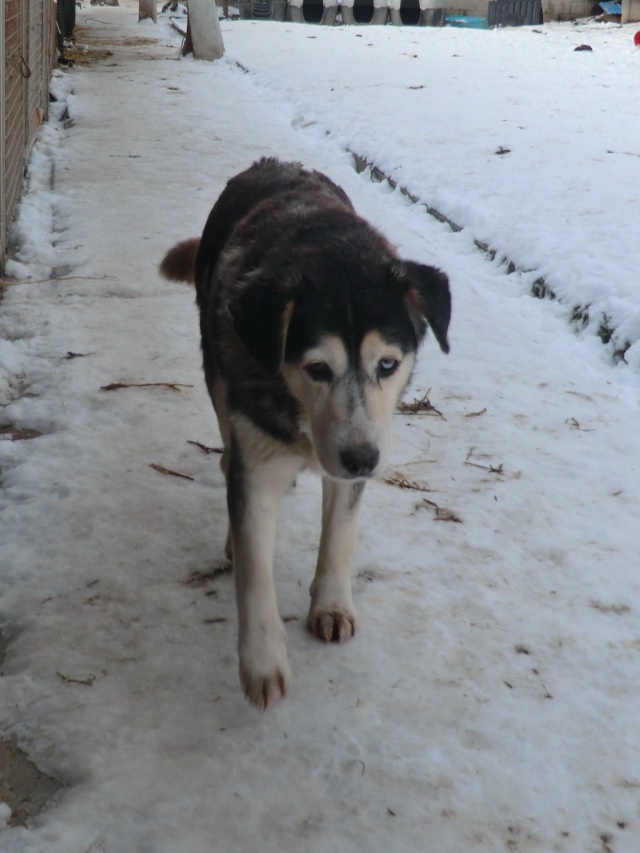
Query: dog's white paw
x=332, y=626
x=264, y=669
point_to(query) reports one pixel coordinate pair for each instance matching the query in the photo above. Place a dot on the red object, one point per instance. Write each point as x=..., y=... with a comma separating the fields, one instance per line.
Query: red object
x=636, y=39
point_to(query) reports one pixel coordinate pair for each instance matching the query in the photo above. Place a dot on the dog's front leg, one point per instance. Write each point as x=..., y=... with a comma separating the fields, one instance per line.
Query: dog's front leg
x=254, y=496
x=331, y=616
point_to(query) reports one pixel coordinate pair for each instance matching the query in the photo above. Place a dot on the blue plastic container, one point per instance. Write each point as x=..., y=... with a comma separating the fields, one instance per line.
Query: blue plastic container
x=467, y=21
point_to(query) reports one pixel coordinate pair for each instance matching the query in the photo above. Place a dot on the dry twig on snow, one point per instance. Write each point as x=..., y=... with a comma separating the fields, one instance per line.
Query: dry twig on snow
x=403, y=483
x=116, y=386
x=441, y=513
x=162, y=470
x=419, y=406
x=206, y=449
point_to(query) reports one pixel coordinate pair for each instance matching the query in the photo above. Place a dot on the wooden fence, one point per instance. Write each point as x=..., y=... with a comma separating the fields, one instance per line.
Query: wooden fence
x=27, y=41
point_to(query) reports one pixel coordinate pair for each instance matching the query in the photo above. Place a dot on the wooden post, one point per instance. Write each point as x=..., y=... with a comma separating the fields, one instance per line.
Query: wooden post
x=204, y=36
x=148, y=9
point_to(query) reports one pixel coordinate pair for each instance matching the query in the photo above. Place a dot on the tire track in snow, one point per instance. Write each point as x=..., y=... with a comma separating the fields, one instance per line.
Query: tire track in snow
x=540, y=288
x=578, y=316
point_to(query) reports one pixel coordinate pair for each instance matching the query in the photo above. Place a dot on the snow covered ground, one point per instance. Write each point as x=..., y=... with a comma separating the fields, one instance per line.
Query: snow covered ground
x=490, y=700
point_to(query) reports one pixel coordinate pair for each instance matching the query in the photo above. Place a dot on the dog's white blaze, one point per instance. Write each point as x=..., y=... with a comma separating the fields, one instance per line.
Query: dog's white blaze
x=382, y=395
x=355, y=409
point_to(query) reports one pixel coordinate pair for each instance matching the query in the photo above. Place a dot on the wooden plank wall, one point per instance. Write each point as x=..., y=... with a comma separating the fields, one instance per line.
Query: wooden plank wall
x=27, y=39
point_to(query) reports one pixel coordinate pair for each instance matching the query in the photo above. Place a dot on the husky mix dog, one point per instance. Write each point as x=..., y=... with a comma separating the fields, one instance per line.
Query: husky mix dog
x=310, y=325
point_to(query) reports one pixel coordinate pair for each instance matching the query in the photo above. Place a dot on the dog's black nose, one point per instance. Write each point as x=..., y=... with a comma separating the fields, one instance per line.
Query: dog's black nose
x=360, y=461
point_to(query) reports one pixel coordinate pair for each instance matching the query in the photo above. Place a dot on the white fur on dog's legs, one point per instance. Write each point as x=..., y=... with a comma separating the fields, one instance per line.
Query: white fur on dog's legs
x=254, y=499
x=331, y=616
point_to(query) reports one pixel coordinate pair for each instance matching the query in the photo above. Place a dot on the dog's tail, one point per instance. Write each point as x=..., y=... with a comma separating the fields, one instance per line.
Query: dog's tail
x=179, y=264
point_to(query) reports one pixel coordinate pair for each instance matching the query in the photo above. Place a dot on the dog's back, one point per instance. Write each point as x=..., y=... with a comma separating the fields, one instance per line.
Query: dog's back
x=194, y=260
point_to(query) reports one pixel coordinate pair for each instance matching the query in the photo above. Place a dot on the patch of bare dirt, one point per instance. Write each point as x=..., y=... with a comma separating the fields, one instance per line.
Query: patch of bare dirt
x=14, y=433
x=23, y=787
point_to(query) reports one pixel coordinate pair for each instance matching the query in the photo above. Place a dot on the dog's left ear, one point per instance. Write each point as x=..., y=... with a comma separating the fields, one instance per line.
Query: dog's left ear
x=428, y=299
x=261, y=316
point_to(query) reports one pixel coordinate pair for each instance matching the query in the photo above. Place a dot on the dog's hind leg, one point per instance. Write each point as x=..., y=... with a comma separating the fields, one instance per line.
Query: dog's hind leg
x=255, y=491
x=331, y=616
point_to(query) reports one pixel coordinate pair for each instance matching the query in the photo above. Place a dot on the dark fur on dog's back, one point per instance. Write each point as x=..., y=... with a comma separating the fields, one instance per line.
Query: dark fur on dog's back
x=243, y=193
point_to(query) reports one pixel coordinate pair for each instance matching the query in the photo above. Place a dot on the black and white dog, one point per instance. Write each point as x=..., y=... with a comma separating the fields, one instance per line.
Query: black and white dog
x=310, y=326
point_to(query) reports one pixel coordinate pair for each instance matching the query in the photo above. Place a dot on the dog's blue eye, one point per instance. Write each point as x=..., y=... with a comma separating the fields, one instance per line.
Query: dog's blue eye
x=319, y=371
x=387, y=366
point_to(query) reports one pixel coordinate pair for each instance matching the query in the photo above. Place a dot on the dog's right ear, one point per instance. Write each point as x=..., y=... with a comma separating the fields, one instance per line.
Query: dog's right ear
x=261, y=315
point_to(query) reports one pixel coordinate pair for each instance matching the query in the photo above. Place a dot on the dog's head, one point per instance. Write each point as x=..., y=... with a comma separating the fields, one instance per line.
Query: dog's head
x=344, y=340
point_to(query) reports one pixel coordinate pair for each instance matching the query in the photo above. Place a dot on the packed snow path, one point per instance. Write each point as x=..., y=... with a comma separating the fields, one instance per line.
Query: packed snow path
x=489, y=700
